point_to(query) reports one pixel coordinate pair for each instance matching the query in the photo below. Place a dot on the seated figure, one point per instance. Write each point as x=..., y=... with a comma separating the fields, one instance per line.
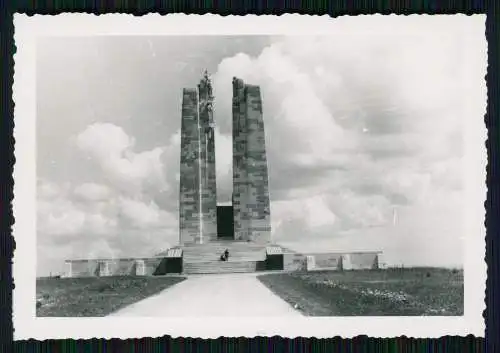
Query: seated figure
x=225, y=255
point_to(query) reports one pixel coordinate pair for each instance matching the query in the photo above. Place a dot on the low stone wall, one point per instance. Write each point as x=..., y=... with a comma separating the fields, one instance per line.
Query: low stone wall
x=331, y=261
x=327, y=261
x=364, y=260
x=112, y=267
x=294, y=262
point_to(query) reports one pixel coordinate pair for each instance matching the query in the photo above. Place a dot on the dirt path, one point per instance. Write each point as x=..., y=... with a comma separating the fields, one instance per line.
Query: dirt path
x=213, y=295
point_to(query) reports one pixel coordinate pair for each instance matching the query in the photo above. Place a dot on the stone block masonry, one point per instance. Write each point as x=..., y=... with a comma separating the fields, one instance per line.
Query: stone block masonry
x=206, y=127
x=239, y=172
x=112, y=267
x=197, y=199
x=365, y=260
x=252, y=219
x=198, y=195
x=245, y=258
x=189, y=198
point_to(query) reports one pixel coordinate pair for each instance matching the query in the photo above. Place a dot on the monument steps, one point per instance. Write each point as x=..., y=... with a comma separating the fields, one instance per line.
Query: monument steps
x=220, y=267
x=205, y=258
x=212, y=259
x=241, y=252
x=225, y=243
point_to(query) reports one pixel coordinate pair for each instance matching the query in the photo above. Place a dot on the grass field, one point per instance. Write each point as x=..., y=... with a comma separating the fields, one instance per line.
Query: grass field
x=97, y=296
x=406, y=292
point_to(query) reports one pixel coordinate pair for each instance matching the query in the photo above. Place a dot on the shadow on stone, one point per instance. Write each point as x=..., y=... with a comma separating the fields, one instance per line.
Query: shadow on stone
x=168, y=265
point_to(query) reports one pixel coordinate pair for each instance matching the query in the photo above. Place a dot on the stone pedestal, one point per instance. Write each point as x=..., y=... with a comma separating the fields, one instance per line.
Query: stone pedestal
x=345, y=262
x=310, y=263
x=140, y=268
x=380, y=262
x=69, y=269
x=103, y=269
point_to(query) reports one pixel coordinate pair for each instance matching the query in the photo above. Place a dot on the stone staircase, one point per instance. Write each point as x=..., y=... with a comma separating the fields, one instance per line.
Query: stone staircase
x=220, y=267
x=205, y=258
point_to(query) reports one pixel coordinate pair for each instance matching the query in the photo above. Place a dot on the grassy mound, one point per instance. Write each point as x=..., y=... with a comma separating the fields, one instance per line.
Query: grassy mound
x=97, y=296
x=395, y=292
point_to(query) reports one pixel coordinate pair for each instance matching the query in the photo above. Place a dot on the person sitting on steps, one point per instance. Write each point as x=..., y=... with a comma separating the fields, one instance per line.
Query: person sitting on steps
x=225, y=255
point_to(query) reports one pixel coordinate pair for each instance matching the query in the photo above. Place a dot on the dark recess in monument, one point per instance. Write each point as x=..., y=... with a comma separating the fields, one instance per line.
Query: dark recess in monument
x=225, y=222
x=274, y=262
x=169, y=265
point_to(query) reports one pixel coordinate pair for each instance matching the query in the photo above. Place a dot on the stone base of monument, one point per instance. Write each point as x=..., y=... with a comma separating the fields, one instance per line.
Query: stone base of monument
x=243, y=257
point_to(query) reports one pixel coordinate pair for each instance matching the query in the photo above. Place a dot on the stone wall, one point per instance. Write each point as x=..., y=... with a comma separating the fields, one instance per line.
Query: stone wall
x=327, y=261
x=250, y=173
x=364, y=260
x=112, y=267
x=294, y=262
x=335, y=261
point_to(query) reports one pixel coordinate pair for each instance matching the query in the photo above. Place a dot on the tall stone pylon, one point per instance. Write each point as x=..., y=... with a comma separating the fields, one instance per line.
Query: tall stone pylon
x=189, y=198
x=197, y=199
x=208, y=172
x=251, y=205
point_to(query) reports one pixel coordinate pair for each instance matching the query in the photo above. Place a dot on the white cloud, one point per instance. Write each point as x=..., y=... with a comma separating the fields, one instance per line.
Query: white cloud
x=112, y=149
x=224, y=165
x=92, y=191
x=144, y=215
x=301, y=218
x=100, y=225
x=48, y=189
x=67, y=223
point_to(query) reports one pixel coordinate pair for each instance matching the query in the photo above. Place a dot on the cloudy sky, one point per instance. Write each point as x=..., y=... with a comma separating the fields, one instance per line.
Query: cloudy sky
x=363, y=132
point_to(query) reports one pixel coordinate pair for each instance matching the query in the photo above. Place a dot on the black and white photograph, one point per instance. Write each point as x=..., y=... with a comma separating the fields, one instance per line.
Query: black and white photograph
x=211, y=176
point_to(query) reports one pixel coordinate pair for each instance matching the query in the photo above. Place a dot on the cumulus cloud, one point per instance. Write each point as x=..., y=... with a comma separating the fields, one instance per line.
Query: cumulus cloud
x=224, y=165
x=94, y=226
x=112, y=149
x=145, y=215
x=92, y=192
